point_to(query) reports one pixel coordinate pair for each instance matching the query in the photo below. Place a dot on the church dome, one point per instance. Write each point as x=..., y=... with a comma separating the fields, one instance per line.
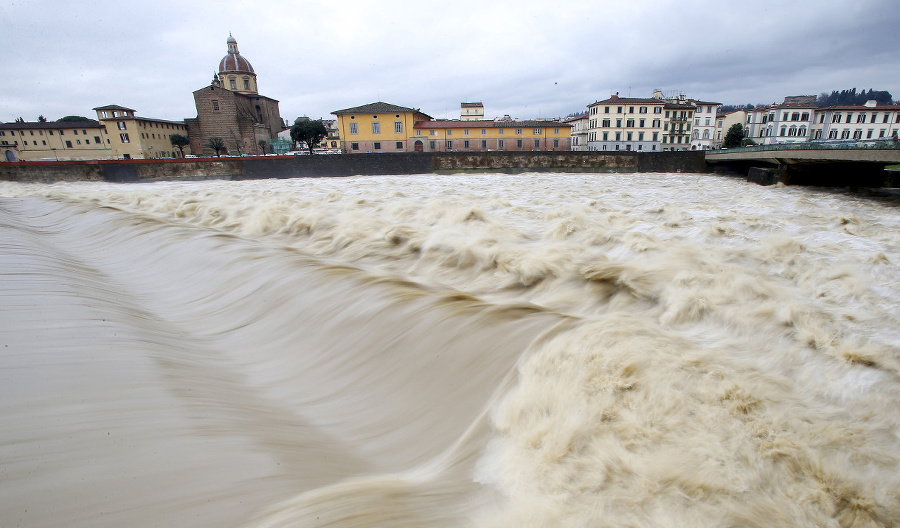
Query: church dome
x=234, y=61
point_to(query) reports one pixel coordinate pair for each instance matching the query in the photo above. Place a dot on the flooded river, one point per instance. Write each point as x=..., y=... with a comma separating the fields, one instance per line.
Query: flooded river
x=492, y=350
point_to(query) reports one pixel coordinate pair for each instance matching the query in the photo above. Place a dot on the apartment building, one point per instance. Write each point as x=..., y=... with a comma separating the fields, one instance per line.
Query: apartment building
x=625, y=123
x=860, y=122
x=780, y=123
x=579, y=131
x=704, y=129
x=677, y=123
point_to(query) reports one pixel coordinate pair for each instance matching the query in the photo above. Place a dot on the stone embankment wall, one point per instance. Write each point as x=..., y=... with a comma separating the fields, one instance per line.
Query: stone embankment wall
x=262, y=167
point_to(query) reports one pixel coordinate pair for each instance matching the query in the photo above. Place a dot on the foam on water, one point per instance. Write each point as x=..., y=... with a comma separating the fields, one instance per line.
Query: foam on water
x=481, y=350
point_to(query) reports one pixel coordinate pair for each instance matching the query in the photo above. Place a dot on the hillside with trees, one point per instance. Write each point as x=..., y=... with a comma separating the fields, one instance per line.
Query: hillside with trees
x=842, y=97
x=852, y=97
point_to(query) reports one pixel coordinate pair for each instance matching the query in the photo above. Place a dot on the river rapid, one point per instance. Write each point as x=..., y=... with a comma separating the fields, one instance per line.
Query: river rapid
x=534, y=350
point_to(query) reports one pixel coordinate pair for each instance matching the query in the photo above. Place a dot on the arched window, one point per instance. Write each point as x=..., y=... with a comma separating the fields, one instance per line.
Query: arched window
x=695, y=135
x=706, y=134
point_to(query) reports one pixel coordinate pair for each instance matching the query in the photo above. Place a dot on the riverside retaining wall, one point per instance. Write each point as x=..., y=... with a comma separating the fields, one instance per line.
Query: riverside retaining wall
x=262, y=167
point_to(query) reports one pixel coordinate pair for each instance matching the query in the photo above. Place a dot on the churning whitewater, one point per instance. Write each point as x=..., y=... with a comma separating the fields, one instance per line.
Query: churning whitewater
x=438, y=351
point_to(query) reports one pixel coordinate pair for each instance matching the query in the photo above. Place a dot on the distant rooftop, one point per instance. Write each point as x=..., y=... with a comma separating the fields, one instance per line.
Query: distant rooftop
x=114, y=107
x=379, y=107
x=56, y=125
x=455, y=123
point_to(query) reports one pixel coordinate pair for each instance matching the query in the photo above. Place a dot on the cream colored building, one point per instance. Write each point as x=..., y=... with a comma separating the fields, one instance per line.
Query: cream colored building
x=579, y=124
x=471, y=112
x=625, y=123
x=724, y=122
x=53, y=141
x=133, y=137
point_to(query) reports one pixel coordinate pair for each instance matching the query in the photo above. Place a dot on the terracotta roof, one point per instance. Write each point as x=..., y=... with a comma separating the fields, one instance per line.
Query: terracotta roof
x=861, y=107
x=235, y=62
x=471, y=105
x=378, y=108
x=455, y=123
x=576, y=118
x=676, y=106
x=628, y=100
x=793, y=105
x=704, y=102
x=50, y=124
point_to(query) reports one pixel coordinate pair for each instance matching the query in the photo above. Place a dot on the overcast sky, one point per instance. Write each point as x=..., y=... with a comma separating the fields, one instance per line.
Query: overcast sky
x=524, y=58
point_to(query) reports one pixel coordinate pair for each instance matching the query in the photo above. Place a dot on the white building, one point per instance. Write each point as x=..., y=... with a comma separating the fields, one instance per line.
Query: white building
x=625, y=123
x=704, y=132
x=787, y=122
x=579, y=131
x=860, y=122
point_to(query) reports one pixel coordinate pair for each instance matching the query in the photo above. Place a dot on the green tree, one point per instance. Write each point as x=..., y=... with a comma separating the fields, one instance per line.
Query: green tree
x=734, y=136
x=179, y=141
x=309, y=131
x=217, y=144
x=262, y=145
x=42, y=119
x=72, y=118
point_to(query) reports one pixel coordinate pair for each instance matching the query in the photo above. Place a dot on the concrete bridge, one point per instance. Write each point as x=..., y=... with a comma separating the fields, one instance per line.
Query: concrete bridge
x=859, y=164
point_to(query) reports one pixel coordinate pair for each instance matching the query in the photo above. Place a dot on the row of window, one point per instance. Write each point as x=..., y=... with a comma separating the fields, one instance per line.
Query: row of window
x=398, y=129
x=857, y=134
x=233, y=83
x=837, y=117
x=67, y=143
x=627, y=147
x=641, y=110
x=629, y=123
x=154, y=136
x=640, y=137
x=629, y=136
x=466, y=144
x=860, y=118
x=41, y=132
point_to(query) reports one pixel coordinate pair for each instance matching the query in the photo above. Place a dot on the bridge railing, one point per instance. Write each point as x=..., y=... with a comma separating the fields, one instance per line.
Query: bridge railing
x=872, y=144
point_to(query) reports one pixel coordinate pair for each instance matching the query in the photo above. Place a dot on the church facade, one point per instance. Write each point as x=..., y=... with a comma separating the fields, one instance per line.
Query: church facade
x=232, y=109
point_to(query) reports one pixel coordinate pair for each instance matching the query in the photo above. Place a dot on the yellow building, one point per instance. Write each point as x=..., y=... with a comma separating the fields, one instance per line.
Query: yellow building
x=377, y=127
x=383, y=127
x=50, y=141
x=482, y=136
x=133, y=137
